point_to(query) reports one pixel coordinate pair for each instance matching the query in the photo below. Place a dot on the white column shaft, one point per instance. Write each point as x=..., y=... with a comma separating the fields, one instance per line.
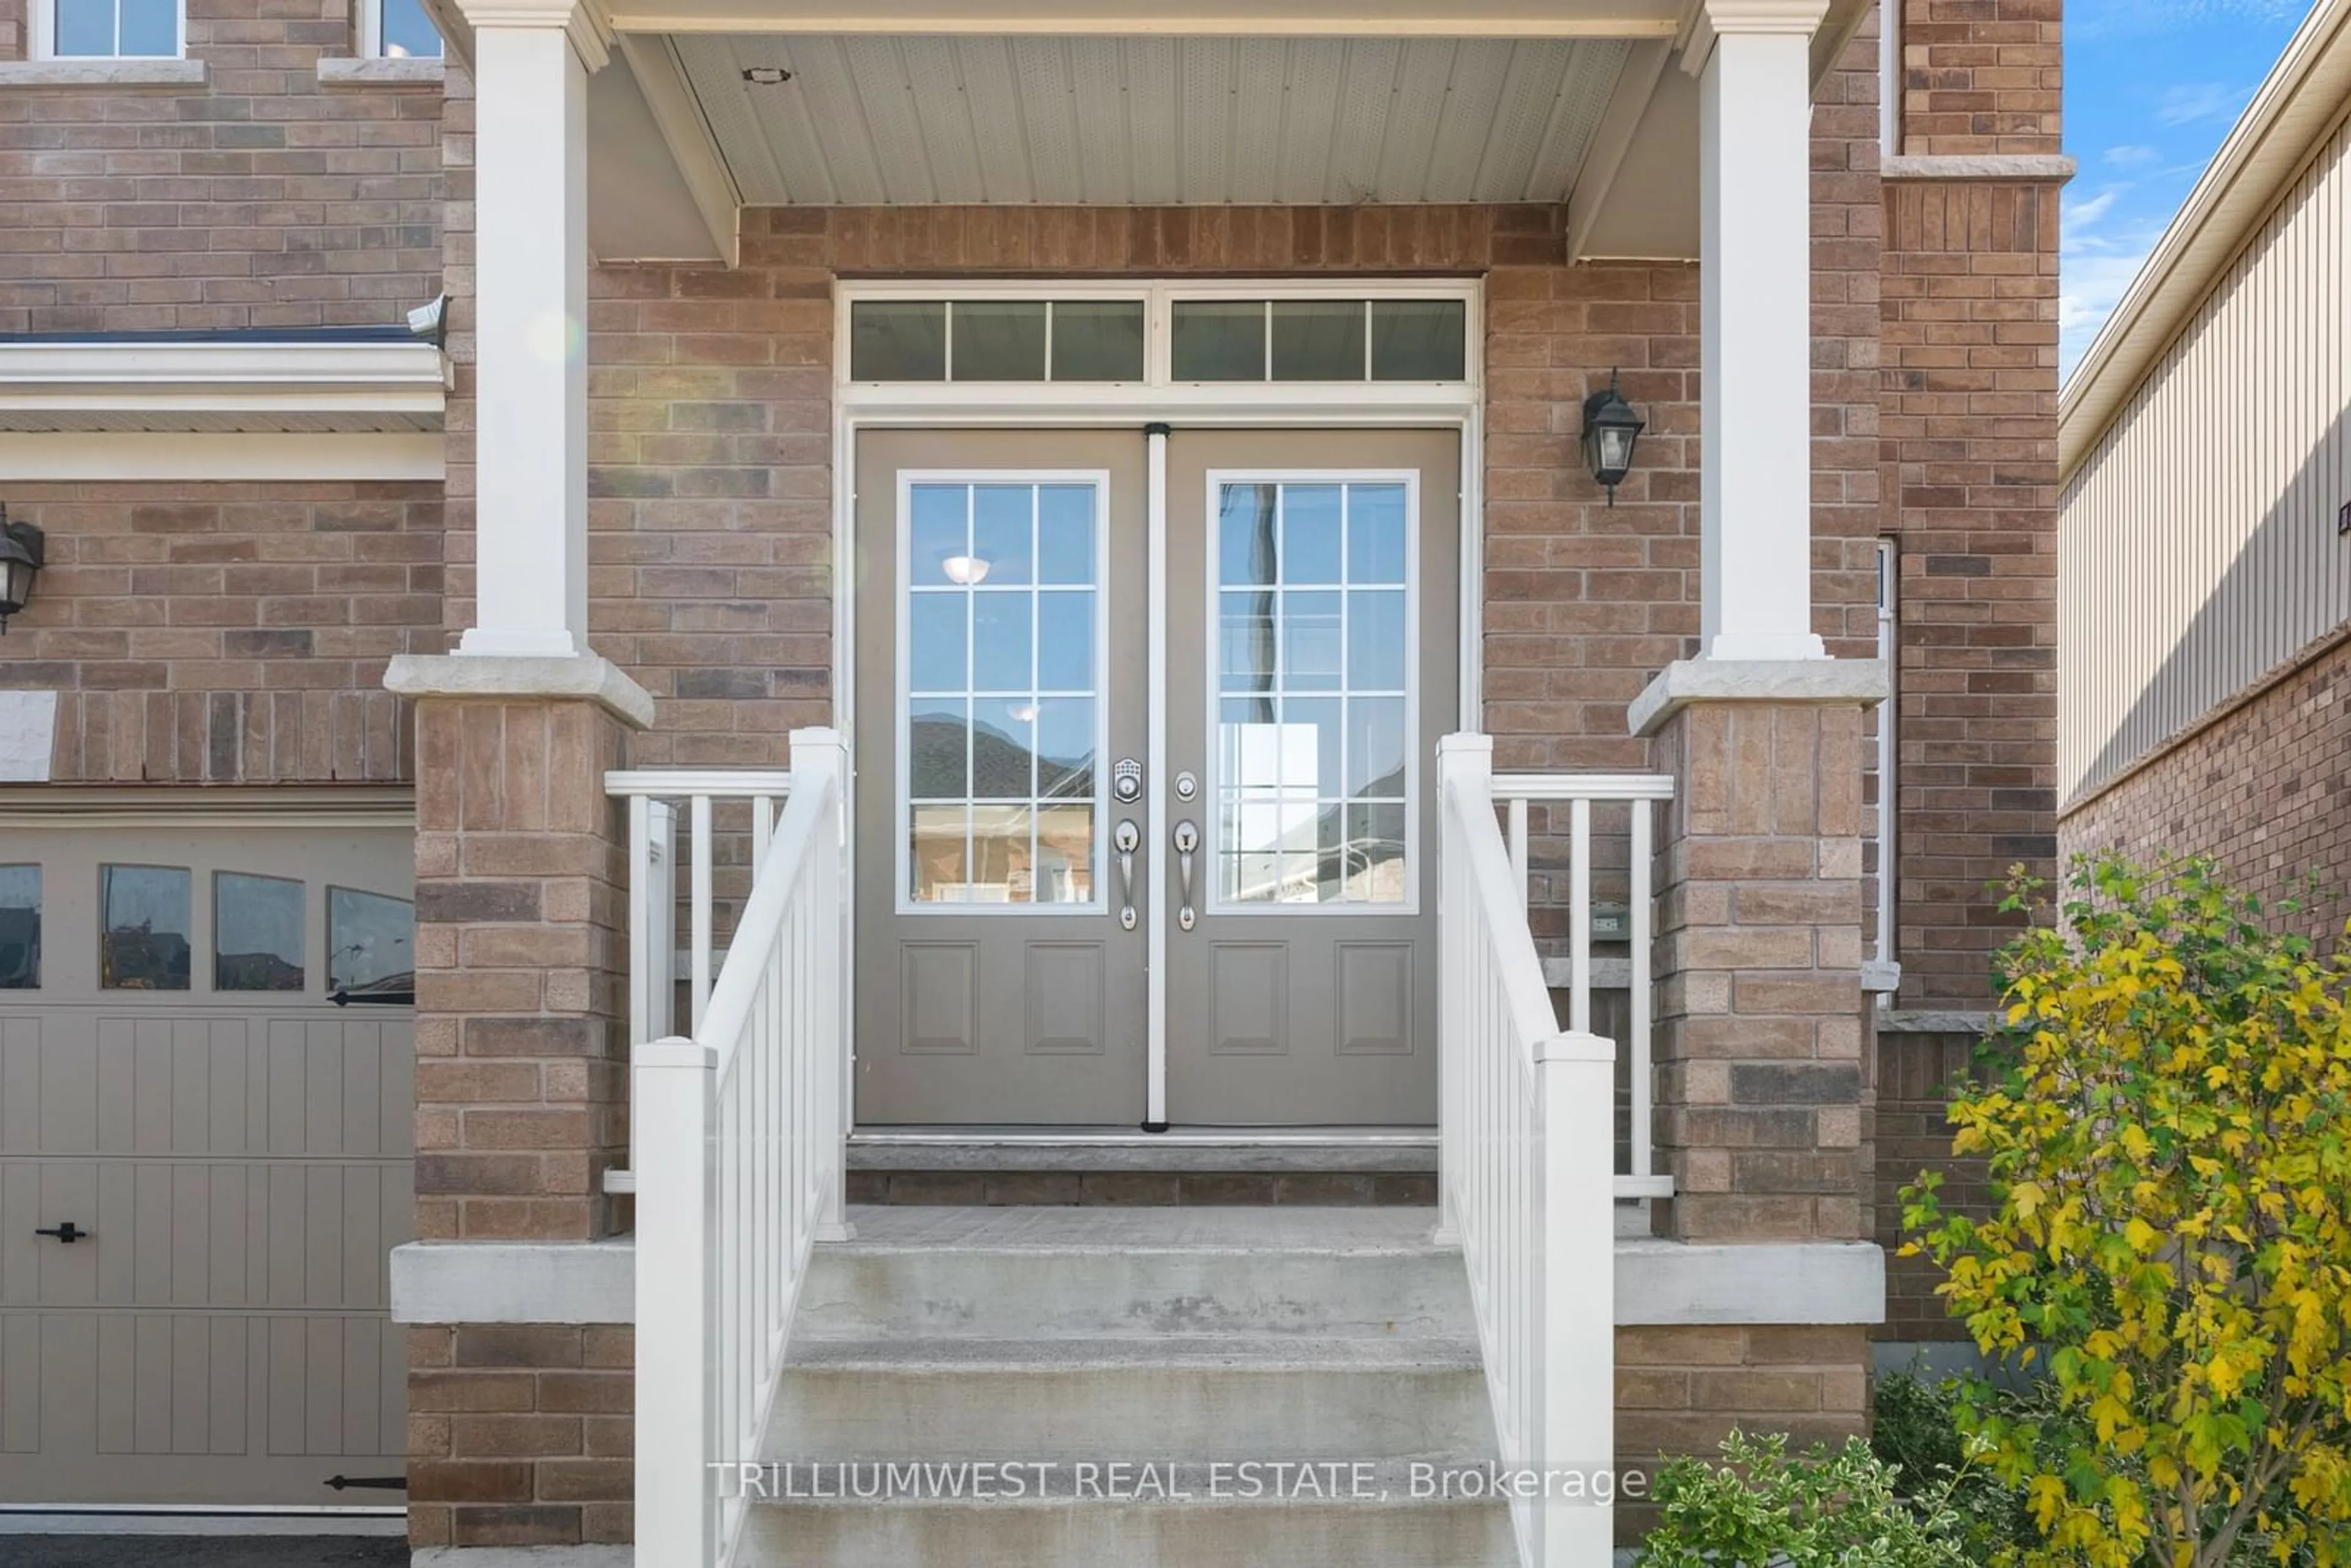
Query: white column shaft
x=530, y=271
x=1755, y=410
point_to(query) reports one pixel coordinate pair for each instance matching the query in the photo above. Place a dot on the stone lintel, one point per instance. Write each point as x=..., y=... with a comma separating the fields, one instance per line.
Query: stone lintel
x=478, y=676
x=2037, y=167
x=1861, y=681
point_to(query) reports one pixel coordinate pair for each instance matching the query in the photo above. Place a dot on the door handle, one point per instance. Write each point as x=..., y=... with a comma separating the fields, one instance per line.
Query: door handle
x=68, y=1233
x=1187, y=838
x=1128, y=838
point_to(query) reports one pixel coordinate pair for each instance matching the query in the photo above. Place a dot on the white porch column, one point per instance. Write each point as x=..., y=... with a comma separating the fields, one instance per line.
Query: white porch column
x=1755, y=353
x=532, y=59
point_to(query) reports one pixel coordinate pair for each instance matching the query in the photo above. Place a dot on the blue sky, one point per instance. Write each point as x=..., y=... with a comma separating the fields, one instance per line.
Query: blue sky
x=2151, y=88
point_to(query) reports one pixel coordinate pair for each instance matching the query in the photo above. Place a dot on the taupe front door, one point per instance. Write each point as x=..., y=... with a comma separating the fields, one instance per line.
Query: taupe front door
x=1313, y=649
x=1010, y=812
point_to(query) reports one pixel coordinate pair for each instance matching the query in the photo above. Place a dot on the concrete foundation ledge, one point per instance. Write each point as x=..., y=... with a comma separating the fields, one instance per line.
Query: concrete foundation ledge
x=523, y=1557
x=1687, y=681
x=590, y=676
x=515, y=1283
x=1792, y=1282
x=1659, y=1283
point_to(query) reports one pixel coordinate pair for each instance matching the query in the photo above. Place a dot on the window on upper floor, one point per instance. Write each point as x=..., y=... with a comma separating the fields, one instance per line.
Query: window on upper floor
x=398, y=30
x=109, y=29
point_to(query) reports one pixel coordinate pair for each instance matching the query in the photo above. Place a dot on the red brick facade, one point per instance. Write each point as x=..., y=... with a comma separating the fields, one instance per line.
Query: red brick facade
x=258, y=199
x=2260, y=786
x=1970, y=428
x=216, y=633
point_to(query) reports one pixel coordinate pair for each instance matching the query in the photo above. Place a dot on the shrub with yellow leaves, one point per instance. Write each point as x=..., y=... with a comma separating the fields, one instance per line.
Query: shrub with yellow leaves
x=2166, y=1115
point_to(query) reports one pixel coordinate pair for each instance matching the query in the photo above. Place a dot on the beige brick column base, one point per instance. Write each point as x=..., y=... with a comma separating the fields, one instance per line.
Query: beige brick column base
x=519, y=1434
x=1761, y=1092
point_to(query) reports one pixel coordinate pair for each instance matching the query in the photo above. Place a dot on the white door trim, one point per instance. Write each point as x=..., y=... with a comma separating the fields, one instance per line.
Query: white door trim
x=1155, y=401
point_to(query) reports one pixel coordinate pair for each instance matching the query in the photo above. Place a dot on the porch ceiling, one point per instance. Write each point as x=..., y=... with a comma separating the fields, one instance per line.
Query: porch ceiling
x=869, y=119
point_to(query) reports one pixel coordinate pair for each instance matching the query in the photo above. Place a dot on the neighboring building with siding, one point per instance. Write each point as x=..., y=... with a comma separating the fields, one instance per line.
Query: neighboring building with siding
x=2205, y=546
x=752, y=312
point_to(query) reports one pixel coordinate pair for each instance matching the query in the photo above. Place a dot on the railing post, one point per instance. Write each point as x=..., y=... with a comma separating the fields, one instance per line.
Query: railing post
x=674, y=1081
x=1465, y=783
x=1576, y=1400
x=820, y=764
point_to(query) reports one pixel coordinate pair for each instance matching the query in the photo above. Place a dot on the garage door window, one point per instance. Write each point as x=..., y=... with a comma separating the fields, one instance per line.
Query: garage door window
x=20, y=927
x=370, y=943
x=256, y=933
x=143, y=944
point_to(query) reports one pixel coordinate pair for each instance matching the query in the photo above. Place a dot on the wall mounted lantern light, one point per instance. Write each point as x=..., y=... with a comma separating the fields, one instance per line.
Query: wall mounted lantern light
x=1609, y=429
x=21, y=555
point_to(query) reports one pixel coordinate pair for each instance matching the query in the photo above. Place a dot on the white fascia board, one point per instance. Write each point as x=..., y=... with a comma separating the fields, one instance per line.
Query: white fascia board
x=133, y=457
x=356, y=385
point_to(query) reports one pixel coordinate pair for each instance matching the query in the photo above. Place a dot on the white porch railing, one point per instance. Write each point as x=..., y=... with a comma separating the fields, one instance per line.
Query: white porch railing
x=656, y=796
x=1579, y=792
x=741, y=1142
x=1527, y=1118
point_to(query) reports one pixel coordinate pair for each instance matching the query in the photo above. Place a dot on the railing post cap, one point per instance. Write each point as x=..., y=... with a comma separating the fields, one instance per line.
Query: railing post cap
x=1573, y=1046
x=674, y=1050
x=1464, y=741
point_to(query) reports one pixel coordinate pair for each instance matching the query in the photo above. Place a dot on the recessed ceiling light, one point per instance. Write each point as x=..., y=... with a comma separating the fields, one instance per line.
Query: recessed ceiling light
x=766, y=75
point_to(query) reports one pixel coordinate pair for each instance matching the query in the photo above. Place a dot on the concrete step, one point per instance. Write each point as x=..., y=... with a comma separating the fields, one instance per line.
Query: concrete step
x=1397, y=1533
x=1044, y=1273
x=1208, y=1397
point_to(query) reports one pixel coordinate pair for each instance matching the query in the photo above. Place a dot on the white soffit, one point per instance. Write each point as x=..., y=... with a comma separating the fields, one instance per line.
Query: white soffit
x=224, y=387
x=883, y=121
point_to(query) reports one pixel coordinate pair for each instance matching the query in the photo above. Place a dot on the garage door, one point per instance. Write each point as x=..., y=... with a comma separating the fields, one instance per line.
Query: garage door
x=203, y=1160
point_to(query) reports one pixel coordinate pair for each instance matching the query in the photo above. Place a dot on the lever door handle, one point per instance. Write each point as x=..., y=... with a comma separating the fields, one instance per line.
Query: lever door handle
x=1187, y=840
x=1128, y=838
x=68, y=1232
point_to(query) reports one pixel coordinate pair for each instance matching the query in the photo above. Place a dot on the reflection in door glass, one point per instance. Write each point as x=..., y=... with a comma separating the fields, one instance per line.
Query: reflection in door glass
x=256, y=933
x=20, y=927
x=371, y=943
x=1002, y=600
x=1313, y=682
x=143, y=935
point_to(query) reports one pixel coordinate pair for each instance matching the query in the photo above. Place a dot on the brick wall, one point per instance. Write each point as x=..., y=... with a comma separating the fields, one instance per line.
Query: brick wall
x=1981, y=76
x=1681, y=1390
x=258, y=199
x=1915, y=1074
x=227, y=633
x=2260, y=786
x=1969, y=448
x=520, y=1434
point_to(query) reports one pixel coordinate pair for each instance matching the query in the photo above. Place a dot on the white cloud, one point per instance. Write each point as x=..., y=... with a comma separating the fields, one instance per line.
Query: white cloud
x=2133, y=155
x=2083, y=214
x=2188, y=103
x=2107, y=18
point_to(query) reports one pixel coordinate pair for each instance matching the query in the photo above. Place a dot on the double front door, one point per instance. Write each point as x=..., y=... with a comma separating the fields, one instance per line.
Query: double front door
x=1146, y=816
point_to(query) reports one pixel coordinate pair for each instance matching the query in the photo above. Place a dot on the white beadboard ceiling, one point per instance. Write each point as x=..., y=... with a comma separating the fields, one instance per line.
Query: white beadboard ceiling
x=869, y=120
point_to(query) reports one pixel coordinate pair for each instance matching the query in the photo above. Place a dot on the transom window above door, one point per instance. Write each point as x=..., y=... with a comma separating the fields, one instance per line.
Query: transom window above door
x=1162, y=336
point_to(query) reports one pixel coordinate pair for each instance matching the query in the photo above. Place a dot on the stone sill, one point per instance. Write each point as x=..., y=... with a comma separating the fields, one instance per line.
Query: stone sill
x=2033, y=166
x=102, y=73
x=396, y=72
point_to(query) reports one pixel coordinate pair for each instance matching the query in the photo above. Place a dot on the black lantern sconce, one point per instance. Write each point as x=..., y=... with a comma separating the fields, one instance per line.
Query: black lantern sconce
x=21, y=555
x=1610, y=430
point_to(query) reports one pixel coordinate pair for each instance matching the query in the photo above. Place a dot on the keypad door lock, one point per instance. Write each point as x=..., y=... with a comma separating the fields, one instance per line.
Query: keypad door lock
x=1126, y=780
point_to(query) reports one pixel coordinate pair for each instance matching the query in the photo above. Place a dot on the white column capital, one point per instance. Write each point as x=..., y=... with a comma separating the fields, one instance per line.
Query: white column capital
x=1717, y=17
x=586, y=23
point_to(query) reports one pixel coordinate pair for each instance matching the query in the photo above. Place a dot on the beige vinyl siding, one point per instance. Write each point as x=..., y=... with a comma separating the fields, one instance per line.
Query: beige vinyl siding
x=2198, y=549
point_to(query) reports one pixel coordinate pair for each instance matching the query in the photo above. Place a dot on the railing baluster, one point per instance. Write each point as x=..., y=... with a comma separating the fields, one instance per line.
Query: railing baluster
x=1644, y=914
x=698, y=914
x=1520, y=865
x=1578, y=915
